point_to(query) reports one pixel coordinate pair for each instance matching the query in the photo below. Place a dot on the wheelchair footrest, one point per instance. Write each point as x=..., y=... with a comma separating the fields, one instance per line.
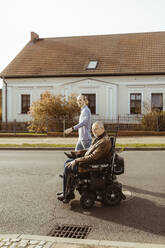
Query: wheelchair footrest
x=123, y=196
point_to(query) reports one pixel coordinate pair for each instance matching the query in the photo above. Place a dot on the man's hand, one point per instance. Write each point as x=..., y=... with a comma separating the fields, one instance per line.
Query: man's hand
x=67, y=131
x=71, y=164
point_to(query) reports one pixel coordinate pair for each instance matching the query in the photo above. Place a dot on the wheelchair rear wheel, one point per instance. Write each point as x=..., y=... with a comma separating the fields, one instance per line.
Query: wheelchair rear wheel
x=112, y=195
x=87, y=200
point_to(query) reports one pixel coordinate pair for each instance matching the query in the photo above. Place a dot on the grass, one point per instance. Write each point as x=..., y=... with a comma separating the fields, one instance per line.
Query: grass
x=42, y=145
x=140, y=145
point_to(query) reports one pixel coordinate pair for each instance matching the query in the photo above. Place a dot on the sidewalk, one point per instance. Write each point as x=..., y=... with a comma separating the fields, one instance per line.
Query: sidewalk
x=68, y=140
x=73, y=140
x=30, y=241
x=68, y=143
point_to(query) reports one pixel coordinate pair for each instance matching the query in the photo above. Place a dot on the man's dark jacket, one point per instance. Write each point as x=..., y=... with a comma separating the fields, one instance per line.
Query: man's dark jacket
x=99, y=149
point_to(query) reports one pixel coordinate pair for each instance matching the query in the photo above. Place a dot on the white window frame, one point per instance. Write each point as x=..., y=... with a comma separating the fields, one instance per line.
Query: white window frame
x=156, y=92
x=91, y=92
x=20, y=103
x=134, y=91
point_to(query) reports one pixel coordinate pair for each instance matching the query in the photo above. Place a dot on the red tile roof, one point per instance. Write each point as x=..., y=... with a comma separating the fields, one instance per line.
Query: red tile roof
x=117, y=54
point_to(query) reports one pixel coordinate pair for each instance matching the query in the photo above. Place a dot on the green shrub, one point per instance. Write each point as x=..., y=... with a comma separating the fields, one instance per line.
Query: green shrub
x=48, y=113
x=154, y=121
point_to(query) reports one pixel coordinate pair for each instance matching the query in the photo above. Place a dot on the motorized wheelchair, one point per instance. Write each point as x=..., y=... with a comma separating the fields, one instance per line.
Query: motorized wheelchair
x=97, y=181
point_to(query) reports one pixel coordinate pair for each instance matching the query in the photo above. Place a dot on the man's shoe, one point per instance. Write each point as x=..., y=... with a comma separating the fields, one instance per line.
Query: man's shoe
x=61, y=197
x=68, y=198
x=59, y=193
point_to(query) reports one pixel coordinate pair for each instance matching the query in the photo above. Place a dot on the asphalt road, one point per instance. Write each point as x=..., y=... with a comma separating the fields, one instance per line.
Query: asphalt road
x=29, y=181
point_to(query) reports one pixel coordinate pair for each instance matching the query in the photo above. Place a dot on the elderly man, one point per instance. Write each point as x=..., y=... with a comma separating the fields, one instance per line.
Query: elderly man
x=98, y=150
x=84, y=125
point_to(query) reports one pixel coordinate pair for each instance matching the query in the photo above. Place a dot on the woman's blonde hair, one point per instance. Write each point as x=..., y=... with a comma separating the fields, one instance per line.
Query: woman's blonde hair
x=85, y=99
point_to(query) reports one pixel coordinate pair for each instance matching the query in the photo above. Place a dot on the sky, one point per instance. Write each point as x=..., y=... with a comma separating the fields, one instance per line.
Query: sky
x=61, y=18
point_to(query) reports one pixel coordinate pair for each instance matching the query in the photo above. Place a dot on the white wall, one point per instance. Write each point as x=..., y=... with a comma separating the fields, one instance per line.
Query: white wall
x=112, y=93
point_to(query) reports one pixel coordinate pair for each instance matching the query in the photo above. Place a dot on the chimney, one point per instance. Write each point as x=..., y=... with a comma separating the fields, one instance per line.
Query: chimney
x=34, y=36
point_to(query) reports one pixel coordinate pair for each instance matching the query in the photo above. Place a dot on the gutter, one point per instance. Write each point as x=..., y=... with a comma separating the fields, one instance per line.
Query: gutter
x=87, y=75
x=5, y=99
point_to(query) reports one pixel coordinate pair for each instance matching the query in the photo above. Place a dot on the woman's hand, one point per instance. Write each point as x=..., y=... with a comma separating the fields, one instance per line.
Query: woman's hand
x=68, y=130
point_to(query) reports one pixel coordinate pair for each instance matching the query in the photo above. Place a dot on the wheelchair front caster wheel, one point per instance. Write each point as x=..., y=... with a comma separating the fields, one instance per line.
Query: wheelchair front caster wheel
x=87, y=200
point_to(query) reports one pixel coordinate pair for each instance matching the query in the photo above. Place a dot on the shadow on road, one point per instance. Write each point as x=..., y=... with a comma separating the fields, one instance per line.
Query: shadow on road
x=138, y=213
x=142, y=191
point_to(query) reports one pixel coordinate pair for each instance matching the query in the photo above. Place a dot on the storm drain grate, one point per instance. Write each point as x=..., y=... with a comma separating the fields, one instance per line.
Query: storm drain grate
x=71, y=231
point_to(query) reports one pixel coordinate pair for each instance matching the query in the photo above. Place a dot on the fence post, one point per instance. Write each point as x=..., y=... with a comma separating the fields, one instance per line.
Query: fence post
x=46, y=122
x=15, y=126
x=118, y=120
x=158, y=123
x=63, y=127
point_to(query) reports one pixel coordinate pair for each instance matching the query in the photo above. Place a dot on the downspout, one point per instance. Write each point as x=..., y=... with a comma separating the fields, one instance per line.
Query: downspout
x=5, y=99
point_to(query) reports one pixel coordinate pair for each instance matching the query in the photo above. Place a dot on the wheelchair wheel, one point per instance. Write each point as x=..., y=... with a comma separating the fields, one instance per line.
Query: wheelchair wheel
x=87, y=200
x=112, y=195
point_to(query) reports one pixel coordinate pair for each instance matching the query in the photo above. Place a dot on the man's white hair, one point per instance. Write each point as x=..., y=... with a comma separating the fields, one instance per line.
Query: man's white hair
x=99, y=123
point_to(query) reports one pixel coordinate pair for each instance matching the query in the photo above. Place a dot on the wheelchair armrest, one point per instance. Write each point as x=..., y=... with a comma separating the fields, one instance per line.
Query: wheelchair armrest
x=89, y=164
x=83, y=164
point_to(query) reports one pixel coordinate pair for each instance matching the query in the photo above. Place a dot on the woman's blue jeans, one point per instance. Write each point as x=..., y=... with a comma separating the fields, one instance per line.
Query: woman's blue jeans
x=83, y=144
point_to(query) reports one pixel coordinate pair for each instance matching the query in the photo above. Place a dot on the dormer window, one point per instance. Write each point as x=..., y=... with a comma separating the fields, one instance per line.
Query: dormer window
x=92, y=64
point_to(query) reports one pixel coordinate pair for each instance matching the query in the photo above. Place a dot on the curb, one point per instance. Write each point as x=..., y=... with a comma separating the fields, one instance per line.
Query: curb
x=142, y=148
x=17, y=240
x=38, y=148
x=71, y=148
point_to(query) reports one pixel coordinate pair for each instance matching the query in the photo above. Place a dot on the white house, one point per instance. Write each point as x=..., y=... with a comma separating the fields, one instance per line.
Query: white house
x=119, y=73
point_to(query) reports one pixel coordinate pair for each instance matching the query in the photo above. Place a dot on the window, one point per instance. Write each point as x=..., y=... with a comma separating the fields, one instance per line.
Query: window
x=135, y=103
x=91, y=102
x=157, y=101
x=25, y=103
x=92, y=64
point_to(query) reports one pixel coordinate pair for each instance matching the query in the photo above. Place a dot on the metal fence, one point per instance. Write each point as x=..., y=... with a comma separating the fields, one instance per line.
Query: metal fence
x=122, y=122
